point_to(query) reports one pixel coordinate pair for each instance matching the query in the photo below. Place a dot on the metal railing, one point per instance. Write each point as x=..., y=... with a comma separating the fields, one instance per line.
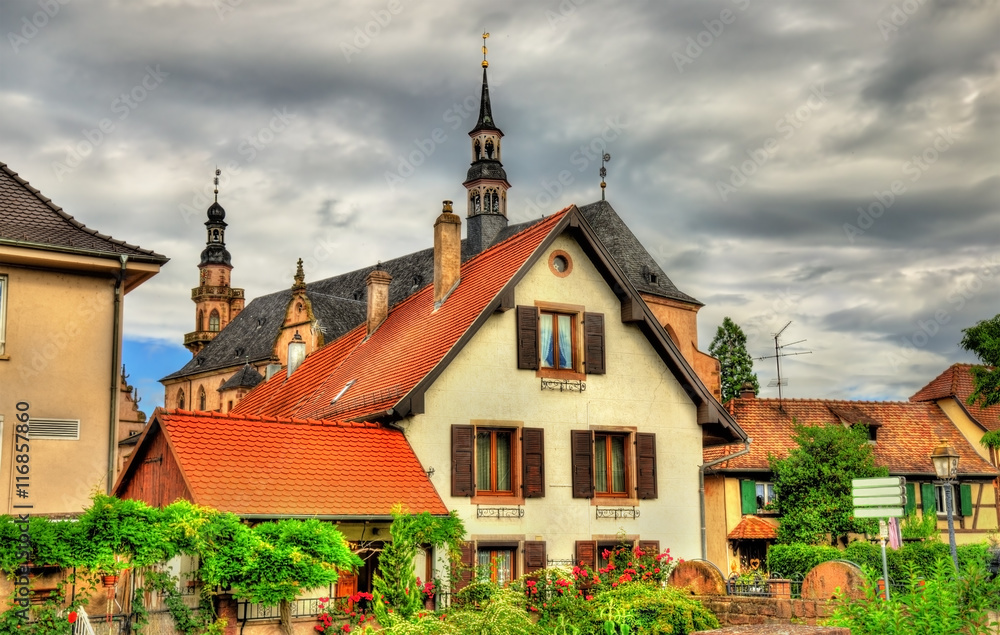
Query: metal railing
x=82, y=624
x=249, y=612
x=761, y=584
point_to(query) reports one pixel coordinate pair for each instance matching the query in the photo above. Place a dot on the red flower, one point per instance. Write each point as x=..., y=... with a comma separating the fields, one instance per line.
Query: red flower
x=71, y=617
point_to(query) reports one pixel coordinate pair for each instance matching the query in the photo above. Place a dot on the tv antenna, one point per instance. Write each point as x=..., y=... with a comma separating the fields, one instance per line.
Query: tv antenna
x=778, y=354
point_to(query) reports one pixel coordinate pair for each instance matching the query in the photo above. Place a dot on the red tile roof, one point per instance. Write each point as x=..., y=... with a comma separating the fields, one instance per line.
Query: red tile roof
x=909, y=431
x=753, y=528
x=407, y=346
x=254, y=466
x=956, y=382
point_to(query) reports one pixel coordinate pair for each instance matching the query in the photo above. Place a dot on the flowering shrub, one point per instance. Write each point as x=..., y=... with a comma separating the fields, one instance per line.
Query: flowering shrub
x=351, y=610
x=625, y=564
x=429, y=588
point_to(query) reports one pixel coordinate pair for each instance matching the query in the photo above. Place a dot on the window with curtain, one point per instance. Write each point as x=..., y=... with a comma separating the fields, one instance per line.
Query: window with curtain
x=495, y=564
x=557, y=341
x=493, y=461
x=610, y=476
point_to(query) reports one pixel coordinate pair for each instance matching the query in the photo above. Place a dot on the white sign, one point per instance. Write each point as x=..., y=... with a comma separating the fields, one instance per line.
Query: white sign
x=879, y=512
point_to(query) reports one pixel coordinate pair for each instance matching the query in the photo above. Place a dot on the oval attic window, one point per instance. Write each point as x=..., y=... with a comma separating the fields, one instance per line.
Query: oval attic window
x=560, y=264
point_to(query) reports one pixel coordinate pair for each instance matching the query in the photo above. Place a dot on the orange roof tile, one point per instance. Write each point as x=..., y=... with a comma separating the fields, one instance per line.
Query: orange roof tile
x=252, y=465
x=753, y=528
x=909, y=431
x=407, y=346
x=957, y=382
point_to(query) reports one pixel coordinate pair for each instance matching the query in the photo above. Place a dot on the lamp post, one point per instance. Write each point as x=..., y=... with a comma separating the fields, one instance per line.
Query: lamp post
x=945, y=460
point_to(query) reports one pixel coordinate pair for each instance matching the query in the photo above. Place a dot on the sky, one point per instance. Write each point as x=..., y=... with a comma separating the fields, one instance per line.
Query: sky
x=828, y=164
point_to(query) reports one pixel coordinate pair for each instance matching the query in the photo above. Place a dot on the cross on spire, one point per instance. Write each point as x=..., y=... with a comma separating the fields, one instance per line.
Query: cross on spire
x=485, y=35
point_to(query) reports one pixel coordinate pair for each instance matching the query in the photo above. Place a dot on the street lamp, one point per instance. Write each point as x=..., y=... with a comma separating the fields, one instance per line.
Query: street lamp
x=945, y=460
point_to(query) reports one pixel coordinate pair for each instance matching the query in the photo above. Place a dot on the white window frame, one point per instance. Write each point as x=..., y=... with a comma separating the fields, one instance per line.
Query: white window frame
x=941, y=506
x=768, y=497
x=3, y=312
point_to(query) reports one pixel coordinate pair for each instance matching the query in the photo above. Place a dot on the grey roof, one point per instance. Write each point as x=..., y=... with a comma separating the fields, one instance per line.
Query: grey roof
x=640, y=267
x=29, y=219
x=246, y=377
x=340, y=303
x=486, y=169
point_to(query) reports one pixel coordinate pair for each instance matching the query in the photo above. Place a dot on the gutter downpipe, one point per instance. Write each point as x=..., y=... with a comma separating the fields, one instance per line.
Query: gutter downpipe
x=116, y=336
x=701, y=492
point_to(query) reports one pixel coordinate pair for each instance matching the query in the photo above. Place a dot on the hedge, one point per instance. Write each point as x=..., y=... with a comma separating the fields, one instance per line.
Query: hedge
x=797, y=559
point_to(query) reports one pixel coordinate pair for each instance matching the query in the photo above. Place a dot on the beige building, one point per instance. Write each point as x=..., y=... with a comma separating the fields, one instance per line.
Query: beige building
x=902, y=434
x=62, y=287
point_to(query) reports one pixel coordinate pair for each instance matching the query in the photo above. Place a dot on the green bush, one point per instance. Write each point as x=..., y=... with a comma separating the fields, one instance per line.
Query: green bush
x=644, y=609
x=797, y=559
x=943, y=604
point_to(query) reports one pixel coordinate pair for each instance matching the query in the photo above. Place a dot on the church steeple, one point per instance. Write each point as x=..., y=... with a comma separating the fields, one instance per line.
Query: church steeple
x=217, y=303
x=486, y=182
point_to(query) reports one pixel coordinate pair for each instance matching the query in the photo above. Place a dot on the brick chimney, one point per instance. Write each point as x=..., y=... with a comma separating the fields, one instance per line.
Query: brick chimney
x=447, y=253
x=747, y=392
x=378, y=298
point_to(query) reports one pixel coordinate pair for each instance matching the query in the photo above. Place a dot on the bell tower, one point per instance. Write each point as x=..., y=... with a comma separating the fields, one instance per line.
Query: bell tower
x=486, y=183
x=216, y=302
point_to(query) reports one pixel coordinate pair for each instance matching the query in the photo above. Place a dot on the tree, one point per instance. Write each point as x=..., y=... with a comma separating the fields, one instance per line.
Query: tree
x=730, y=348
x=813, y=484
x=983, y=339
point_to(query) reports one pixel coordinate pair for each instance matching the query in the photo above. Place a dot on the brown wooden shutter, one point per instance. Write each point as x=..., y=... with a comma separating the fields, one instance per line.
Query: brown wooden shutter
x=467, y=564
x=586, y=553
x=534, y=555
x=527, y=337
x=582, y=449
x=533, y=462
x=652, y=547
x=462, y=461
x=645, y=453
x=593, y=337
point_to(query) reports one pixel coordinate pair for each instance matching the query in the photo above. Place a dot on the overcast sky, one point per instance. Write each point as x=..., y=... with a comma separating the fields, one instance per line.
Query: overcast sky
x=745, y=137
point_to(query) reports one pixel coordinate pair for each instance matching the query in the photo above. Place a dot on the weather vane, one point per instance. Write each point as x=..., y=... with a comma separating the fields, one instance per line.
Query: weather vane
x=485, y=35
x=217, y=173
x=604, y=172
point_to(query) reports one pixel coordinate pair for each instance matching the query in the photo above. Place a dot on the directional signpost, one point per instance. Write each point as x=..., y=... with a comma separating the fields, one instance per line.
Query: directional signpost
x=880, y=498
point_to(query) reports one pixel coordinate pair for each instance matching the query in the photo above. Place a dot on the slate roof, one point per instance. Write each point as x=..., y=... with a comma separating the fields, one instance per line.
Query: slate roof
x=339, y=303
x=246, y=377
x=753, y=528
x=909, y=431
x=29, y=219
x=956, y=382
x=260, y=466
x=629, y=253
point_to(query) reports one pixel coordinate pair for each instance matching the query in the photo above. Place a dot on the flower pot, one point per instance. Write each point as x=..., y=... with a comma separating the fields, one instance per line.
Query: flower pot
x=429, y=603
x=109, y=580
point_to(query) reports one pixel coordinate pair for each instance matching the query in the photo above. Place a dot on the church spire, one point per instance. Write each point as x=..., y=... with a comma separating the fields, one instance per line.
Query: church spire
x=217, y=303
x=486, y=182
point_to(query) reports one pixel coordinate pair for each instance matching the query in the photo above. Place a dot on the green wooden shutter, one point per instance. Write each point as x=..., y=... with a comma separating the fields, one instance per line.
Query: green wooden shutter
x=964, y=492
x=928, y=500
x=748, y=496
x=911, y=498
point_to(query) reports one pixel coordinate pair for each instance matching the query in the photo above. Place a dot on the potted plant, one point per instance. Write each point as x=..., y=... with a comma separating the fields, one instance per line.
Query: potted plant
x=429, y=589
x=107, y=566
